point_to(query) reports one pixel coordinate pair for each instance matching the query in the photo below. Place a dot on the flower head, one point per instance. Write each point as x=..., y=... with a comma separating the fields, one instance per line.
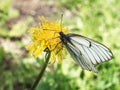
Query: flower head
x=46, y=35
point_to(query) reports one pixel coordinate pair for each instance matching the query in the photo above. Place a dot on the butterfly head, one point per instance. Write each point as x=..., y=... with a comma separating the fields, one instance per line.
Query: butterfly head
x=64, y=38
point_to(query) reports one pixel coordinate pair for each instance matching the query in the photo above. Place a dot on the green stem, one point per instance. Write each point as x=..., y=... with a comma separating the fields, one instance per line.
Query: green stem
x=47, y=57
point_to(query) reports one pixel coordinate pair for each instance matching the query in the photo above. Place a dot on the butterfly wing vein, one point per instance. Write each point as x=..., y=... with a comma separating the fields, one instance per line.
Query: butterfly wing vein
x=87, y=52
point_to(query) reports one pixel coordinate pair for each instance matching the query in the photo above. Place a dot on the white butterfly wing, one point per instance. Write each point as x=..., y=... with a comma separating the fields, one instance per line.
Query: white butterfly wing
x=87, y=52
x=80, y=58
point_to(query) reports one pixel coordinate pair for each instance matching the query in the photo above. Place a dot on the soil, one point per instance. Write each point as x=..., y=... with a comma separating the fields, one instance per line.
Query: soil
x=34, y=8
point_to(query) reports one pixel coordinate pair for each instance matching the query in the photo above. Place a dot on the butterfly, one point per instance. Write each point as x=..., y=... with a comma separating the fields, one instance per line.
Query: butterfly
x=86, y=52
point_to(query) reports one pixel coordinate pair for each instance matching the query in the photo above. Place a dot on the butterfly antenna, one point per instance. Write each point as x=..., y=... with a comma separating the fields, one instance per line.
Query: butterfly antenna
x=61, y=22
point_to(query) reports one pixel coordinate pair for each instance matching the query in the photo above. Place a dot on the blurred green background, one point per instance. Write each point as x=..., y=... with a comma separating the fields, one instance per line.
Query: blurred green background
x=96, y=19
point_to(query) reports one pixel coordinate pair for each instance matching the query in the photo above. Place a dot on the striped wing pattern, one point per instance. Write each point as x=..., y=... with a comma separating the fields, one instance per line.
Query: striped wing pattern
x=87, y=52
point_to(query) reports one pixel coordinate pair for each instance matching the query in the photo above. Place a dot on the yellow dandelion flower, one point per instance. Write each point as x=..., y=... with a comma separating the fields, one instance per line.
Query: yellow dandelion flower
x=46, y=35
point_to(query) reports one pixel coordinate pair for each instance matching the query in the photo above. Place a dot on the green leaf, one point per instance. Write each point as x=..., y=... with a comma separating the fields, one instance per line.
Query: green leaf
x=20, y=28
x=2, y=53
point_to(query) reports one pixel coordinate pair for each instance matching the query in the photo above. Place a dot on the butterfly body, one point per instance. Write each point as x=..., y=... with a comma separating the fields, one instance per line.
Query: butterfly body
x=64, y=38
x=87, y=52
